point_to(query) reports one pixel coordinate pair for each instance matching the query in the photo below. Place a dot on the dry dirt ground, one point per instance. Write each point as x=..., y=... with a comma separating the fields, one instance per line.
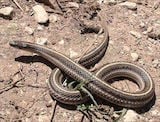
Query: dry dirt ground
x=23, y=90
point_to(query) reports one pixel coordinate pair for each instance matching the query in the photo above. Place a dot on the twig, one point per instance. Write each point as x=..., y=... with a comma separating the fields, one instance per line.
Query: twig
x=33, y=86
x=13, y=84
x=17, y=4
x=59, y=5
x=54, y=111
x=10, y=86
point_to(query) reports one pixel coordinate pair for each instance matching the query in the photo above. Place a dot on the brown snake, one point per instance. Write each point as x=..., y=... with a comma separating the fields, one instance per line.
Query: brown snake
x=97, y=84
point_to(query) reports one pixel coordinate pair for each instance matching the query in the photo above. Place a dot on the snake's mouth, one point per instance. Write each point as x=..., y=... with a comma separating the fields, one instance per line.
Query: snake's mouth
x=17, y=44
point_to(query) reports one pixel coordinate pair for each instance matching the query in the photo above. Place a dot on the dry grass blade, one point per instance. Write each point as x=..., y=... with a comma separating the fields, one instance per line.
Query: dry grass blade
x=18, y=5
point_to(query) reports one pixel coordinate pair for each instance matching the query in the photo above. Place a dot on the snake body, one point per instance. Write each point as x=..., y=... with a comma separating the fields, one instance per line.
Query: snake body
x=97, y=84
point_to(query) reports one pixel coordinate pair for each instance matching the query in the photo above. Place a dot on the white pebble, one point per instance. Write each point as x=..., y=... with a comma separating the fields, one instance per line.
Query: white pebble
x=73, y=54
x=53, y=18
x=41, y=41
x=73, y=4
x=129, y=5
x=39, y=28
x=61, y=42
x=156, y=63
x=40, y=14
x=131, y=116
x=7, y=11
x=134, y=56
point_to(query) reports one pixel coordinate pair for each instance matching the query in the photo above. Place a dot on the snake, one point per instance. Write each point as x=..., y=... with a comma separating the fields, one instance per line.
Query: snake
x=98, y=83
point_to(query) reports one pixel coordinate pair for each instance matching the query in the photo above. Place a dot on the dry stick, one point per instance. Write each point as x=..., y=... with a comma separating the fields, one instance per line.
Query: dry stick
x=54, y=111
x=17, y=4
x=10, y=86
x=14, y=84
x=59, y=5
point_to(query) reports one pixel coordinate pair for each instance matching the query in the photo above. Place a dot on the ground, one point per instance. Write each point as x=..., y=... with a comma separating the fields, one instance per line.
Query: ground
x=23, y=90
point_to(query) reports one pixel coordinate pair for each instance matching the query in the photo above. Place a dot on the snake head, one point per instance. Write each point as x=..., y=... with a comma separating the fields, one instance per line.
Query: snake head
x=18, y=44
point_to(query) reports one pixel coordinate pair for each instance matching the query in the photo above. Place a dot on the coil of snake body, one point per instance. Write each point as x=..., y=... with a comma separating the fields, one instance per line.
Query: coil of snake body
x=95, y=83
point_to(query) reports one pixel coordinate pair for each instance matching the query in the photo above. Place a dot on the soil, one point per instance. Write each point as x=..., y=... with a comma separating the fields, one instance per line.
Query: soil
x=23, y=89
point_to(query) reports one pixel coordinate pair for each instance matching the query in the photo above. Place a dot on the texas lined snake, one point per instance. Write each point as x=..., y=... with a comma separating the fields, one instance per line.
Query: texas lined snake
x=97, y=84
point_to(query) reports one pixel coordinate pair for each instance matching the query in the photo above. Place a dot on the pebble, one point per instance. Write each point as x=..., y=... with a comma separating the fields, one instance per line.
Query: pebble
x=73, y=54
x=141, y=62
x=49, y=104
x=155, y=34
x=40, y=14
x=149, y=29
x=131, y=116
x=61, y=42
x=134, y=56
x=41, y=41
x=53, y=18
x=136, y=34
x=129, y=5
x=43, y=118
x=142, y=25
x=155, y=112
x=6, y=12
x=39, y=28
x=73, y=4
x=112, y=2
x=156, y=63
x=101, y=1
x=29, y=30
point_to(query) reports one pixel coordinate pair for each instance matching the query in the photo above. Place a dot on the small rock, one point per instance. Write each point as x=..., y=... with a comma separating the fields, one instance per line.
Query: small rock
x=40, y=14
x=6, y=12
x=155, y=112
x=142, y=25
x=49, y=104
x=141, y=62
x=136, y=34
x=156, y=63
x=129, y=5
x=41, y=41
x=134, y=56
x=73, y=4
x=144, y=32
x=39, y=28
x=53, y=18
x=43, y=118
x=155, y=34
x=61, y=42
x=149, y=29
x=131, y=116
x=29, y=30
x=73, y=54
x=112, y=2
x=101, y=1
